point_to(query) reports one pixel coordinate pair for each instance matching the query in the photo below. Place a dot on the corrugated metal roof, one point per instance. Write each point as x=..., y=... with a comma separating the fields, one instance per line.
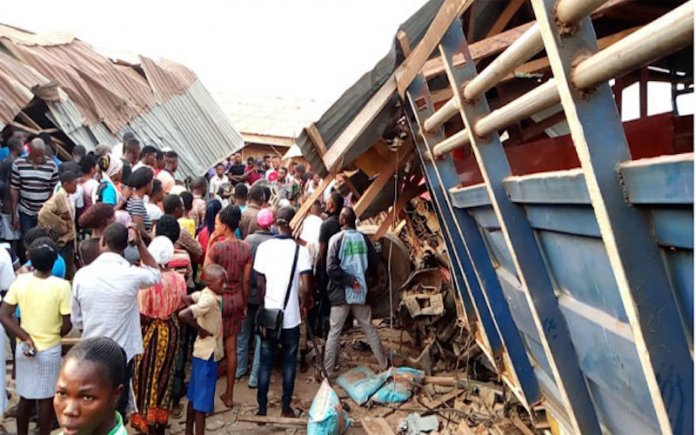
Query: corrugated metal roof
x=96, y=100
x=270, y=116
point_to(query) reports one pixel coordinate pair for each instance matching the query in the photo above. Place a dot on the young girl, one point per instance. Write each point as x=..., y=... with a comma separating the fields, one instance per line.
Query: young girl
x=89, y=387
x=45, y=302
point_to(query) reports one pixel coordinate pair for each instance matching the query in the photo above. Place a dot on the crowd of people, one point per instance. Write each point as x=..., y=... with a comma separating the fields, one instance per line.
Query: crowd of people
x=169, y=283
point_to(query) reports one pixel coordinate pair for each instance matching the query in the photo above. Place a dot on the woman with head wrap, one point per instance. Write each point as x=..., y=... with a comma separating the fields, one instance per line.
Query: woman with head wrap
x=153, y=372
x=109, y=188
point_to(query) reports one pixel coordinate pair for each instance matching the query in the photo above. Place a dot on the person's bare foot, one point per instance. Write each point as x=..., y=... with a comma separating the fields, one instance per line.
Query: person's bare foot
x=229, y=403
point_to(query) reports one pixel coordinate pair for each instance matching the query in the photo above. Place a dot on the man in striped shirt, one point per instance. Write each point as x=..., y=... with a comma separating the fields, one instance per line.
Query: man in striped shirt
x=32, y=181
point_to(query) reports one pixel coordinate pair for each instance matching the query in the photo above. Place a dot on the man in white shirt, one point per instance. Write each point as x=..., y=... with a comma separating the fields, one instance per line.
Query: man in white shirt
x=274, y=268
x=217, y=180
x=105, y=294
x=311, y=227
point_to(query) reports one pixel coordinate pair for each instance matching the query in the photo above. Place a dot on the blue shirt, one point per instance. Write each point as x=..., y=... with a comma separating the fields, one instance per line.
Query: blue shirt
x=109, y=194
x=58, y=267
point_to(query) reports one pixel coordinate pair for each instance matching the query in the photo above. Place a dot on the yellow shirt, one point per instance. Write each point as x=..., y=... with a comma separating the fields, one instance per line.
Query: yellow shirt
x=188, y=224
x=43, y=302
x=207, y=312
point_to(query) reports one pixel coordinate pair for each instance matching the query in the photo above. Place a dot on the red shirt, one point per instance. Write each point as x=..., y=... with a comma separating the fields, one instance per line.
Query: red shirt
x=253, y=176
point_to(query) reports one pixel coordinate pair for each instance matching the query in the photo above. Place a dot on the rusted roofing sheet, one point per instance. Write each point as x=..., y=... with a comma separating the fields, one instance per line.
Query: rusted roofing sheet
x=95, y=101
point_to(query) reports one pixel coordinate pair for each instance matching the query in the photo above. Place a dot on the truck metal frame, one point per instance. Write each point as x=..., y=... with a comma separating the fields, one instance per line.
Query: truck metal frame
x=616, y=357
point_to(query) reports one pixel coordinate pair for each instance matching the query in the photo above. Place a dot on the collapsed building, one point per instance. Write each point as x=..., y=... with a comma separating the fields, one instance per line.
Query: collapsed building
x=490, y=142
x=60, y=85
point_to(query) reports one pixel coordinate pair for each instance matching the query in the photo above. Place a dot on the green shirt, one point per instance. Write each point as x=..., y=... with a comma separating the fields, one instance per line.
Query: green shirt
x=119, y=429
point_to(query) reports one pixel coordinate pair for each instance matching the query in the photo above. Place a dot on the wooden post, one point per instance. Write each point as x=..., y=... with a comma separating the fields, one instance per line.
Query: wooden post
x=304, y=208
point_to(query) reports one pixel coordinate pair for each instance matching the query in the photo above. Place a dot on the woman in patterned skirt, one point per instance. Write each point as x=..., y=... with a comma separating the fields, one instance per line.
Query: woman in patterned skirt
x=153, y=373
x=234, y=255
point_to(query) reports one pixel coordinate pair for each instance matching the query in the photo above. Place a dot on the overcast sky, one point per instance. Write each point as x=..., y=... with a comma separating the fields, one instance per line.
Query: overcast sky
x=298, y=48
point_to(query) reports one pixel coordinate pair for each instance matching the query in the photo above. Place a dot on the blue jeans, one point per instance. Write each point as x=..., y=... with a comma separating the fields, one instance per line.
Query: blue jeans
x=27, y=222
x=289, y=343
x=243, y=338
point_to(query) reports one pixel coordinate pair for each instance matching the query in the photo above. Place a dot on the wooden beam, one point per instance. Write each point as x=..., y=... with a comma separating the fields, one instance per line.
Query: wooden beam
x=402, y=39
x=316, y=139
x=542, y=125
x=351, y=187
x=410, y=193
x=505, y=17
x=307, y=204
x=379, y=183
x=376, y=426
x=449, y=11
x=479, y=50
x=333, y=159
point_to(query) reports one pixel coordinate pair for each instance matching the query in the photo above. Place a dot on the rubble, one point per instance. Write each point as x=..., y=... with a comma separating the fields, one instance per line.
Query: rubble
x=414, y=424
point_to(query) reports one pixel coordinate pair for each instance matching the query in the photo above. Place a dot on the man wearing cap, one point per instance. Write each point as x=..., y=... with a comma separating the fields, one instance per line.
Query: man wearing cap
x=264, y=220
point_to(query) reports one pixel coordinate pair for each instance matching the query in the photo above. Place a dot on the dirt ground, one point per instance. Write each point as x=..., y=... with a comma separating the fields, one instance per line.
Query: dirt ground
x=225, y=421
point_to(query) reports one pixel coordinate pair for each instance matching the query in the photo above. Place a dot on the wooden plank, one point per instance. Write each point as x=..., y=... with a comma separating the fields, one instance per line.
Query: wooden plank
x=541, y=126
x=449, y=11
x=316, y=139
x=333, y=159
x=402, y=39
x=376, y=426
x=267, y=419
x=479, y=50
x=400, y=204
x=378, y=184
x=307, y=204
x=351, y=187
x=505, y=17
x=521, y=426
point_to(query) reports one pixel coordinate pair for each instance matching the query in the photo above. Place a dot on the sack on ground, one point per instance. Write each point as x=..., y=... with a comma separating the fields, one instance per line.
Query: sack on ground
x=326, y=415
x=361, y=383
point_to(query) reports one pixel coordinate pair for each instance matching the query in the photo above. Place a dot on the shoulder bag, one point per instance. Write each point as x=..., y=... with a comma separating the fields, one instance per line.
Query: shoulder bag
x=269, y=322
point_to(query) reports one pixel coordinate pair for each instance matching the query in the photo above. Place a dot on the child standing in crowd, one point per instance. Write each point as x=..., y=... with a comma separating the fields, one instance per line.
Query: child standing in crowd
x=89, y=386
x=199, y=189
x=205, y=316
x=45, y=303
x=186, y=221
